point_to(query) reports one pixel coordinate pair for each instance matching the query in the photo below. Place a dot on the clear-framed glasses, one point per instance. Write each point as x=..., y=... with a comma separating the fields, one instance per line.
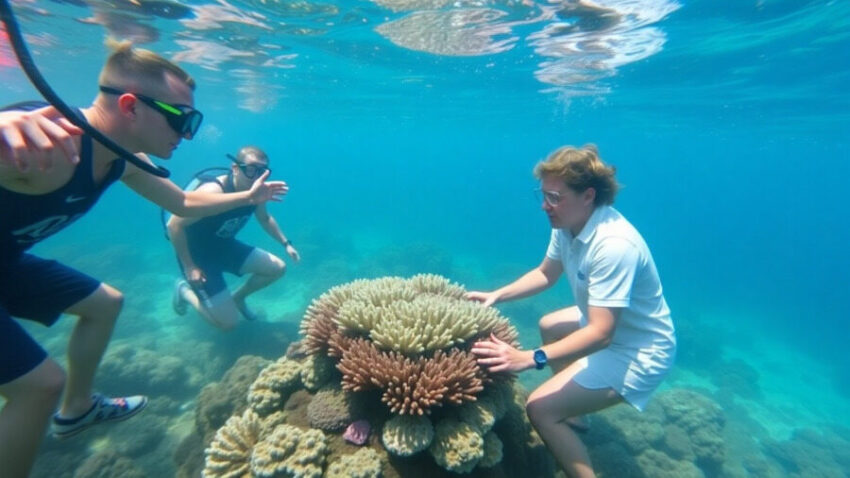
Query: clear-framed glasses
x=552, y=198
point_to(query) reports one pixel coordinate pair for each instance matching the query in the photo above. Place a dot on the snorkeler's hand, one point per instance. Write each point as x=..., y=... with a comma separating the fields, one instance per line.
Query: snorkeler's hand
x=499, y=356
x=36, y=138
x=486, y=298
x=262, y=191
x=195, y=275
x=293, y=253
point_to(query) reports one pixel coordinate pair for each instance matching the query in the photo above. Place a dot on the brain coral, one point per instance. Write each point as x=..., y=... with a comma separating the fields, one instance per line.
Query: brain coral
x=274, y=384
x=332, y=409
x=700, y=419
x=365, y=463
x=289, y=452
x=407, y=338
x=456, y=446
x=229, y=454
x=316, y=371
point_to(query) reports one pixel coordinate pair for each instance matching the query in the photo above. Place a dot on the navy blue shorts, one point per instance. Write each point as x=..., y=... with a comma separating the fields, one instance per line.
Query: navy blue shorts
x=215, y=256
x=39, y=290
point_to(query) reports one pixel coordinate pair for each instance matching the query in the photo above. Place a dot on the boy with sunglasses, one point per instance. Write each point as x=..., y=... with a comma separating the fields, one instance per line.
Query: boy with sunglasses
x=207, y=247
x=51, y=175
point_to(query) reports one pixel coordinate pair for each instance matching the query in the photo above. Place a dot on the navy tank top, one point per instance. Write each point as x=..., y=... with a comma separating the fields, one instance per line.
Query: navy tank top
x=225, y=225
x=27, y=219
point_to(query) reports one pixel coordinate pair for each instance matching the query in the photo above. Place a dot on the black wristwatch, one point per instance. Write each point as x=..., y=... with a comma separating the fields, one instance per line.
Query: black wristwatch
x=540, y=359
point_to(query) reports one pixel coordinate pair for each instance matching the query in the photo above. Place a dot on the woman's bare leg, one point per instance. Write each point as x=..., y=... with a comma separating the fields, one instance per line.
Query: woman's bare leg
x=552, y=404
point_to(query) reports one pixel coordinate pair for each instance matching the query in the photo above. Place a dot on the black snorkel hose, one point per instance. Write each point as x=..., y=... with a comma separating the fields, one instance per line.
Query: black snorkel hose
x=24, y=58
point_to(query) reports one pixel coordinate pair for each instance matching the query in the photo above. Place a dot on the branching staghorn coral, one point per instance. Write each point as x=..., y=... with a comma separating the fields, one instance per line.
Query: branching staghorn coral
x=411, y=386
x=405, y=337
x=424, y=313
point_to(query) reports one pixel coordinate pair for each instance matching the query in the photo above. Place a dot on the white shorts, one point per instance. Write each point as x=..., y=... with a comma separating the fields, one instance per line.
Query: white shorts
x=633, y=373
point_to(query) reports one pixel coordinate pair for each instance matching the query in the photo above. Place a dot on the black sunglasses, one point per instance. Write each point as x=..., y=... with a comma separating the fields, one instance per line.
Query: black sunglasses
x=183, y=119
x=250, y=170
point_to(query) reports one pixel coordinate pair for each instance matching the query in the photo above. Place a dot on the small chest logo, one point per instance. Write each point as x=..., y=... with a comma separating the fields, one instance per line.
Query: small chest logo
x=73, y=198
x=231, y=227
x=46, y=227
x=581, y=275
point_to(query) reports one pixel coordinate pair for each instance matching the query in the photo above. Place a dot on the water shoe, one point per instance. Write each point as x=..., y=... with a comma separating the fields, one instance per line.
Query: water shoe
x=103, y=410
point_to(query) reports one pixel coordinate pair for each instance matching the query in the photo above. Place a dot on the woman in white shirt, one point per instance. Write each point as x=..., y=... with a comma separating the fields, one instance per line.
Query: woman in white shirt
x=617, y=343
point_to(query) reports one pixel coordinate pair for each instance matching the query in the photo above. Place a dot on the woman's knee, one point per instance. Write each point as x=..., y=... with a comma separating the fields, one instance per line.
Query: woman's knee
x=537, y=412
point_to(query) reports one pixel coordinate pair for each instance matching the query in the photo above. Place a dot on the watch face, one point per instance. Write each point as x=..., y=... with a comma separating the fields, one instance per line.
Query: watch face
x=539, y=358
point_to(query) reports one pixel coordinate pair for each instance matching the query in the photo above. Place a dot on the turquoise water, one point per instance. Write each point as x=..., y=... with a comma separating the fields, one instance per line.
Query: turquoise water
x=408, y=137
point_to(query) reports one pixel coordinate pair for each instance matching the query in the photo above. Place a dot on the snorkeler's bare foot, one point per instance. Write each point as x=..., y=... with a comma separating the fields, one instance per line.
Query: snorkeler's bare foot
x=246, y=312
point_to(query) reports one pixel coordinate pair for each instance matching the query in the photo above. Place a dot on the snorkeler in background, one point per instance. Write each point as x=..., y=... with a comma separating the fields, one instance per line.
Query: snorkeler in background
x=617, y=343
x=50, y=176
x=207, y=247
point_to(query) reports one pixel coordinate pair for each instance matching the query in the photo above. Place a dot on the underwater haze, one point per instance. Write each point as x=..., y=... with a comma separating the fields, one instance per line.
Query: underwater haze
x=407, y=131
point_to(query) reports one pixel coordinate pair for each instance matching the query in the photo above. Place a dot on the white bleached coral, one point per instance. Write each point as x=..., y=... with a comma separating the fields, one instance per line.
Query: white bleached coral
x=411, y=316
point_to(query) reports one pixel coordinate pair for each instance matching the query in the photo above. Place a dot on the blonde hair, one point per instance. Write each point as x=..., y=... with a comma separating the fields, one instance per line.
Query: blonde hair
x=138, y=68
x=581, y=168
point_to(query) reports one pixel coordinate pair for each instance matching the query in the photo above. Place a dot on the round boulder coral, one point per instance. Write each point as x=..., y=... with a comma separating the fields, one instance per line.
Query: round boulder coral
x=404, y=435
x=700, y=419
x=492, y=451
x=456, y=446
x=332, y=409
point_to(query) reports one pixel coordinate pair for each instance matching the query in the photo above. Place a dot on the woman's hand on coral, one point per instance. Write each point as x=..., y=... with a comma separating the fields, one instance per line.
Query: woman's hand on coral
x=499, y=356
x=485, y=298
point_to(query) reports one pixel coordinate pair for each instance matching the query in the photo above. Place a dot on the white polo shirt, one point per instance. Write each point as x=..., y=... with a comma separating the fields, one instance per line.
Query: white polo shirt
x=608, y=264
